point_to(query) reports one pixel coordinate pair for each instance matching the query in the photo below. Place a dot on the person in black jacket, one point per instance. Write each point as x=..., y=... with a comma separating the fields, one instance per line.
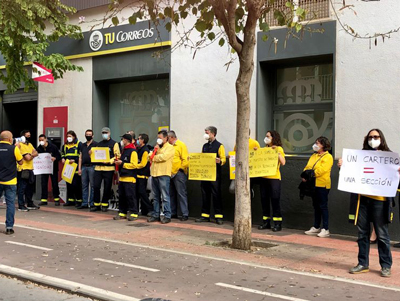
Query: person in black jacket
x=143, y=174
x=46, y=146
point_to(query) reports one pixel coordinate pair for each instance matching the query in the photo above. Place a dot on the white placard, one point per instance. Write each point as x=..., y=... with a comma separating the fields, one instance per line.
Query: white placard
x=68, y=171
x=100, y=154
x=369, y=172
x=42, y=164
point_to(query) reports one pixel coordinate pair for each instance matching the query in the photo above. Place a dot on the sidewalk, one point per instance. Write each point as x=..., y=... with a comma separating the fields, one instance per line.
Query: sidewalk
x=291, y=248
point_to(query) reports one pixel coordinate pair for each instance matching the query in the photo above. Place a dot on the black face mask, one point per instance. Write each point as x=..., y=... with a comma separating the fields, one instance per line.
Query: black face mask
x=88, y=138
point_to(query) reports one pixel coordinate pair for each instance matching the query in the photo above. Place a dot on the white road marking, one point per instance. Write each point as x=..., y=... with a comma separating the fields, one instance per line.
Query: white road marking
x=249, y=290
x=126, y=265
x=27, y=245
x=66, y=285
x=334, y=278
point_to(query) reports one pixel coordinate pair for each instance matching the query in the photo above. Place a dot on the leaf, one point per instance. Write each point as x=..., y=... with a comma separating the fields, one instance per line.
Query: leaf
x=264, y=26
x=211, y=36
x=298, y=27
x=221, y=42
x=115, y=21
x=132, y=19
x=300, y=11
x=200, y=26
x=264, y=37
x=194, y=11
x=239, y=13
x=168, y=26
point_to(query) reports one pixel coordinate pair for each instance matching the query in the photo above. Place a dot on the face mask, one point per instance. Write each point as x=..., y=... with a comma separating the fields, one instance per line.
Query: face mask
x=315, y=147
x=206, y=136
x=41, y=143
x=159, y=141
x=138, y=143
x=122, y=143
x=267, y=140
x=70, y=139
x=105, y=136
x=88, y=138
x=374, y=143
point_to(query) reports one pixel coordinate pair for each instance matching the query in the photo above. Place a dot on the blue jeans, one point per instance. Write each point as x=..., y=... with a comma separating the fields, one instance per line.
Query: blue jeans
x=320, y=203
x=87, y=178
x=10, y=191
x=161, y=186
x=376, y=212
x=179, y=193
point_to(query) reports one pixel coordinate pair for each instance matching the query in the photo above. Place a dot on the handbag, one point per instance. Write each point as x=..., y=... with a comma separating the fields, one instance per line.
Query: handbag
x=308, y=188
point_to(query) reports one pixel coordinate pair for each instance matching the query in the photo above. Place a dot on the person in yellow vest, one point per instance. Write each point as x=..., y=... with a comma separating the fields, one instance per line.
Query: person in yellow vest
x=71, y=151
x=270, y=186
x=26, y=176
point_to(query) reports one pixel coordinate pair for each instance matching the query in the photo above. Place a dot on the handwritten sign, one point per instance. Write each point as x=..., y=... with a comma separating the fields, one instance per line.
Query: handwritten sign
x=202, y=167
x=42, y=164
x=68, y=171
x=262, y=162
x=100, y=154
x=369, y=172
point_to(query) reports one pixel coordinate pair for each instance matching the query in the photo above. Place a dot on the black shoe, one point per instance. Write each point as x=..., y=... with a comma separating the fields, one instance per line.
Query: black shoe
x=184, y=218
x=33, y=207
x=69, y=204
x=104, y=209
x=82, y=207
x=219, y=221
x=43, y=203
x=277, y=228
x=9, y=231
x=266, y=225
x=396, y=245
x=93, y=209
x=174, y=216
x=23, y=209
x=118, y=217
x=78, y=204
x=165, y=220
x=57, y=203
x=150, y=214
x=132, y=218
x=153, y=219
x=202, y=220
x=358, y=269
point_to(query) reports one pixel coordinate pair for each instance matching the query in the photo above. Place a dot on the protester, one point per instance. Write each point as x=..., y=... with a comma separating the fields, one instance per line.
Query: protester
x=45, y=146
x=86, y=171
x=270, y=186
x=321, y=164
x=161, y=168
x=143, y=174
x=27, y=178
x=10, y=155
x=375, y=209
x=71, y=151
x=212, y=189
x=104, y=172
x=179, y=178
x=127, y=182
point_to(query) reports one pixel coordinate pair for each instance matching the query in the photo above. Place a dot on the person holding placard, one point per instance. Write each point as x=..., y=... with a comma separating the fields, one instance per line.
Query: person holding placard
x=211, y=190
x=45, y=146
x=321, y=164
x=71, y=151
x=270, y=186
x=375, y=209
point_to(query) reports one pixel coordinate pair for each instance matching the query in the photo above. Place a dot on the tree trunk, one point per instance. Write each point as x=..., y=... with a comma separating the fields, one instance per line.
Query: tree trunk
x=242, y=226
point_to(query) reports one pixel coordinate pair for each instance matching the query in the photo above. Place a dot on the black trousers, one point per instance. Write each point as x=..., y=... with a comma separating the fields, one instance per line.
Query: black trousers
x=212, y=191
x=74, y=190
x=270, y=191
x=54, y=184
x=127, y=198
x=99, y=177
x=141, y=192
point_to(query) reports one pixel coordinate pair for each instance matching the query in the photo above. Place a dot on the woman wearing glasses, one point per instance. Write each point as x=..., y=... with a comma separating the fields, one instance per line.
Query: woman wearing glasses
x=375, y=209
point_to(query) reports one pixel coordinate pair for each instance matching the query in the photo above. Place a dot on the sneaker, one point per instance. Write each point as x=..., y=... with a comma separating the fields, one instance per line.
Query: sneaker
x=9, y=231
x=202, y=220
x=358, y=269
x=33, y=207
x=324, y=233
x=184, y=218
x=219, y=221
x=153, y=219
x=313, y=231
x=165, y=220
x=385, y=272
x=23, y=209
x=397, y=245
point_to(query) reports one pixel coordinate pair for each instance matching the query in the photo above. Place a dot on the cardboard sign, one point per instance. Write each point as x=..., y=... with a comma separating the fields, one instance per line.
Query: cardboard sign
x=262, y=162
x=68, y=171
x=42, y=164
x=202, y=167
x=369, y=172
x=100, y=154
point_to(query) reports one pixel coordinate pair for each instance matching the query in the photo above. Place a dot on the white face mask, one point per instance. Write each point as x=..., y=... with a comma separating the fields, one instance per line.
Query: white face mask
x=267, y=141
x=206, y=136
x=122, y=143
x=315, y=147
x=374, y=143
x=70, y=139
x=41, y=143
x=159, y=141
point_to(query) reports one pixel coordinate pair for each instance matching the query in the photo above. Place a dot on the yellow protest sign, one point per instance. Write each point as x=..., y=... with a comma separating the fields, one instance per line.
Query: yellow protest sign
x=68, y=171
x=262, y=162
x=100, y=154
x=202, y=167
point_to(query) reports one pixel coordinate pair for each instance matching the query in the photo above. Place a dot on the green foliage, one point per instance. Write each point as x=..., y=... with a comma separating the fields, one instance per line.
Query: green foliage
x=25, y=36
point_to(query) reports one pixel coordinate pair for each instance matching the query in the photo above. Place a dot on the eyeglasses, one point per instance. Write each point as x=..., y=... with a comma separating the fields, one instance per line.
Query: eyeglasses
x=375, y=137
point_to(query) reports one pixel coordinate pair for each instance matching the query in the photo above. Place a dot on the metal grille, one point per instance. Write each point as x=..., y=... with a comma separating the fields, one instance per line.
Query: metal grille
x=316, y=9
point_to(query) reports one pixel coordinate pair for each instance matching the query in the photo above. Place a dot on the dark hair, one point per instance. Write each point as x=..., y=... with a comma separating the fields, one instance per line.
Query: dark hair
x=145, y=138
x=382, y=147
x=172, y=134
x=212, y=129
x=42, y=136
x=23, y=132
x=89, y=130
x=276, y=138
x=72, y=133
x=326, y=145
x=164, y=133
